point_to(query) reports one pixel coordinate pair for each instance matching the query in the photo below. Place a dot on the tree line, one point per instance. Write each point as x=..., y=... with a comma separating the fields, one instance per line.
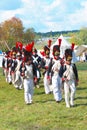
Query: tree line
x=79, y=37
x=12, y=30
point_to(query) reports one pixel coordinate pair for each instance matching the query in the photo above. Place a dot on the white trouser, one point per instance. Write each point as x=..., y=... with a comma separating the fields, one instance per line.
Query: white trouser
x=13, y=77
x=69, y=88
x=56, y=83
x=9, y=76
x=6, y=74
x=18, y=83
x=46, y=84
x=28, y=90
x=38, y=74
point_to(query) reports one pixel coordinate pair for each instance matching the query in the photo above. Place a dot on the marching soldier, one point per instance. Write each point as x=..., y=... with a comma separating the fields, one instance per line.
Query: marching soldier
x=54, y=68
x=45, y=65
x=5, y=65
x=13, y=66
x=28, y=72
x=37, y=63
x=18, y=83
x=69, y=74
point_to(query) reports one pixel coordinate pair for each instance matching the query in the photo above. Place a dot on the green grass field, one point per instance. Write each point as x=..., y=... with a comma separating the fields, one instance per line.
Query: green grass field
x=44, y=113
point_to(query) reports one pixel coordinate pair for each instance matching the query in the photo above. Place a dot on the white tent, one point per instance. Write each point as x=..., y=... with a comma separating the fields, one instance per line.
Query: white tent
x=64, y=45
x=81, y=49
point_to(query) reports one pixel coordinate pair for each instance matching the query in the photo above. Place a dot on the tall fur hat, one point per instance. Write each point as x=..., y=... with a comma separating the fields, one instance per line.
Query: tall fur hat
x=56, y=48
x=69, y=52
x=47, y=47
x=35, y=50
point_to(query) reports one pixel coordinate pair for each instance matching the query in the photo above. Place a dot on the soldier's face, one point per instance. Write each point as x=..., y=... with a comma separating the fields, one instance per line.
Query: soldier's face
x=14, y=56
x=29, y=62
x=68, y=62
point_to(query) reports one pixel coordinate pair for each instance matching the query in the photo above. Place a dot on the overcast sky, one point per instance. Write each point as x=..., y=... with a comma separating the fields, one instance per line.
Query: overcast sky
x=46, y=15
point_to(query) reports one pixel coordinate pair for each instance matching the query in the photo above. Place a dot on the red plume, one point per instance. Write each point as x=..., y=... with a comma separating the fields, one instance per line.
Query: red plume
x=59, y=40
x=42, y=53
x=49, y=43
x=72, y=47
x=29, y=47
x=32, y=44
x=19, y=45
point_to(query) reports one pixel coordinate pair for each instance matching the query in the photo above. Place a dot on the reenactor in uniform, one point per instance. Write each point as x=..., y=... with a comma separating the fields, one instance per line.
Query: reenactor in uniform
x=18, y=83
x=5, y=65
x=37, y=62
x=54, y=68
x=69, y=74
x=13, y=66
x=45, y=65
x=28, y=72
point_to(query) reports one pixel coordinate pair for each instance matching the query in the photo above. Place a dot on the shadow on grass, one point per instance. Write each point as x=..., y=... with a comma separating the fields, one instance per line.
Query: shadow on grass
x=49, y=101
x=45, y=101
x=81, y=98
x=81, y=88
x=80, y=104
x=39, y=93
